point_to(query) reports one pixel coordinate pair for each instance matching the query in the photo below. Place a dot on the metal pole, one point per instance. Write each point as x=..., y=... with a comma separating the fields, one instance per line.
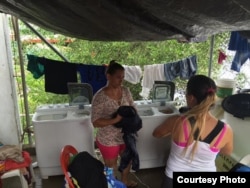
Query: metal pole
x=44, y=40
x=211, y=56
x=25, y=97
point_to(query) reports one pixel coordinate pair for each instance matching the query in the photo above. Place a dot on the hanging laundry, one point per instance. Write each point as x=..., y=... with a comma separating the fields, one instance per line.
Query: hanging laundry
x=237, y=42
x=188, y=67
x=171, y=70
x=133, y=74
x=242, y=47
x=35, y=66
x=57, y=75
x=239, y=59
x=222, y=57
x=184, y=68
x=93, y=75
x=150, y=74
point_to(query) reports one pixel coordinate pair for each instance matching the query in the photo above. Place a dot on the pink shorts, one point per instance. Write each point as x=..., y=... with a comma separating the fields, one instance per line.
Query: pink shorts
x=110, y=152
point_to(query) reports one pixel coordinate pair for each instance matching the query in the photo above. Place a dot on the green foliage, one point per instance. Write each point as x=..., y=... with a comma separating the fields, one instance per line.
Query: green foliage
x=98, y=53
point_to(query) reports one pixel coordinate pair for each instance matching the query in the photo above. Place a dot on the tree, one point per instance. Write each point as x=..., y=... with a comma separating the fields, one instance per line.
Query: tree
x=98, y=53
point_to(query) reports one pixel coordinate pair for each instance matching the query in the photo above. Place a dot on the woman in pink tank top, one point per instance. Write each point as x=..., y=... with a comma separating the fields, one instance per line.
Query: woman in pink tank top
x=197, y=136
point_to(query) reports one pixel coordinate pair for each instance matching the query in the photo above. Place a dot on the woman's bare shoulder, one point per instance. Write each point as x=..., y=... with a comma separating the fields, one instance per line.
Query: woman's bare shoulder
x=229, y=128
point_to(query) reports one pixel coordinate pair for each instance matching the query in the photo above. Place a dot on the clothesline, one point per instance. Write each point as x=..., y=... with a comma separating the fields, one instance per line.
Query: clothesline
x=58, y=74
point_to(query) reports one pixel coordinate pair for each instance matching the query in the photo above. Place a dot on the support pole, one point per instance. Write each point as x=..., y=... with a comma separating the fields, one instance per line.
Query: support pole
x=25, y=96
x=17, y=33
x=211, y=56
x=44, y=40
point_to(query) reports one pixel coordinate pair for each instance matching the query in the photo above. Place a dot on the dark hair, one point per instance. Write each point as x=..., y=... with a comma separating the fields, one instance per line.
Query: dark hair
x=201, y=86
x=203, y=89
x=113, y=67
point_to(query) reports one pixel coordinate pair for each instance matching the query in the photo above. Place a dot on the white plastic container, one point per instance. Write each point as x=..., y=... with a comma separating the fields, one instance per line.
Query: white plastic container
x=241, y=130
x=225, y=87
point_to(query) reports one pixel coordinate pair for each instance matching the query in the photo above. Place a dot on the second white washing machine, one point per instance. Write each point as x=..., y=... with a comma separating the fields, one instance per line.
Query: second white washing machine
x=153, y=152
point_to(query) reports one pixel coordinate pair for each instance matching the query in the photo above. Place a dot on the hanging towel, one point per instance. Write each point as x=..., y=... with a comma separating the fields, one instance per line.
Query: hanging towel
x=150, y=74
x=57, y=76
x=133, y=74
x=93, y=75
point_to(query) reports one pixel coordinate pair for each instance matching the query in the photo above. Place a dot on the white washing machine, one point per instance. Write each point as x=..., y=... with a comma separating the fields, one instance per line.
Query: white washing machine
x=153, y=152
x=54, y=128
x=57, y=125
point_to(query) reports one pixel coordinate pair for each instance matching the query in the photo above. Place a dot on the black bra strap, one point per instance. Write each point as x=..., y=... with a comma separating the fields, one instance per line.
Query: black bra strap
x=209, y=138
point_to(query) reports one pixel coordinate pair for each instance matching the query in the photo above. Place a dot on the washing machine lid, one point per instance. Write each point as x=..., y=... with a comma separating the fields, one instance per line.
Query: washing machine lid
x=238, y=105
x=80, y=94
x=163, y=91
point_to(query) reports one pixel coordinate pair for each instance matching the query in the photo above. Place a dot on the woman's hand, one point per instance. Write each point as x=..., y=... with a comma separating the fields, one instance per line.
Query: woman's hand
x=118, y=118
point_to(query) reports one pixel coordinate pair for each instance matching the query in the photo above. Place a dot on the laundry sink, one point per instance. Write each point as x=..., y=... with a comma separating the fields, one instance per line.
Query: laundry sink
x=80, y=113
x=167, y=109
x=145, y=111
x=47, y=117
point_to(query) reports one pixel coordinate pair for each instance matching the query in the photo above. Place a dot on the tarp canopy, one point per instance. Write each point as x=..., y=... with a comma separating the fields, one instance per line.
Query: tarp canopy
x=133, y=20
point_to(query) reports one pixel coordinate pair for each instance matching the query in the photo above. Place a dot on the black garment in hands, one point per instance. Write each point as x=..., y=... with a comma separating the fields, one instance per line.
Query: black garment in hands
x=131, y=121
x=130, y=153
x=130, y=124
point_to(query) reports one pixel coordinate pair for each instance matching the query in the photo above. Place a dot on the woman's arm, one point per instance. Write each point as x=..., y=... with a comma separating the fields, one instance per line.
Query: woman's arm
x=102, y=122
x=227, y=149
x=166, y=127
